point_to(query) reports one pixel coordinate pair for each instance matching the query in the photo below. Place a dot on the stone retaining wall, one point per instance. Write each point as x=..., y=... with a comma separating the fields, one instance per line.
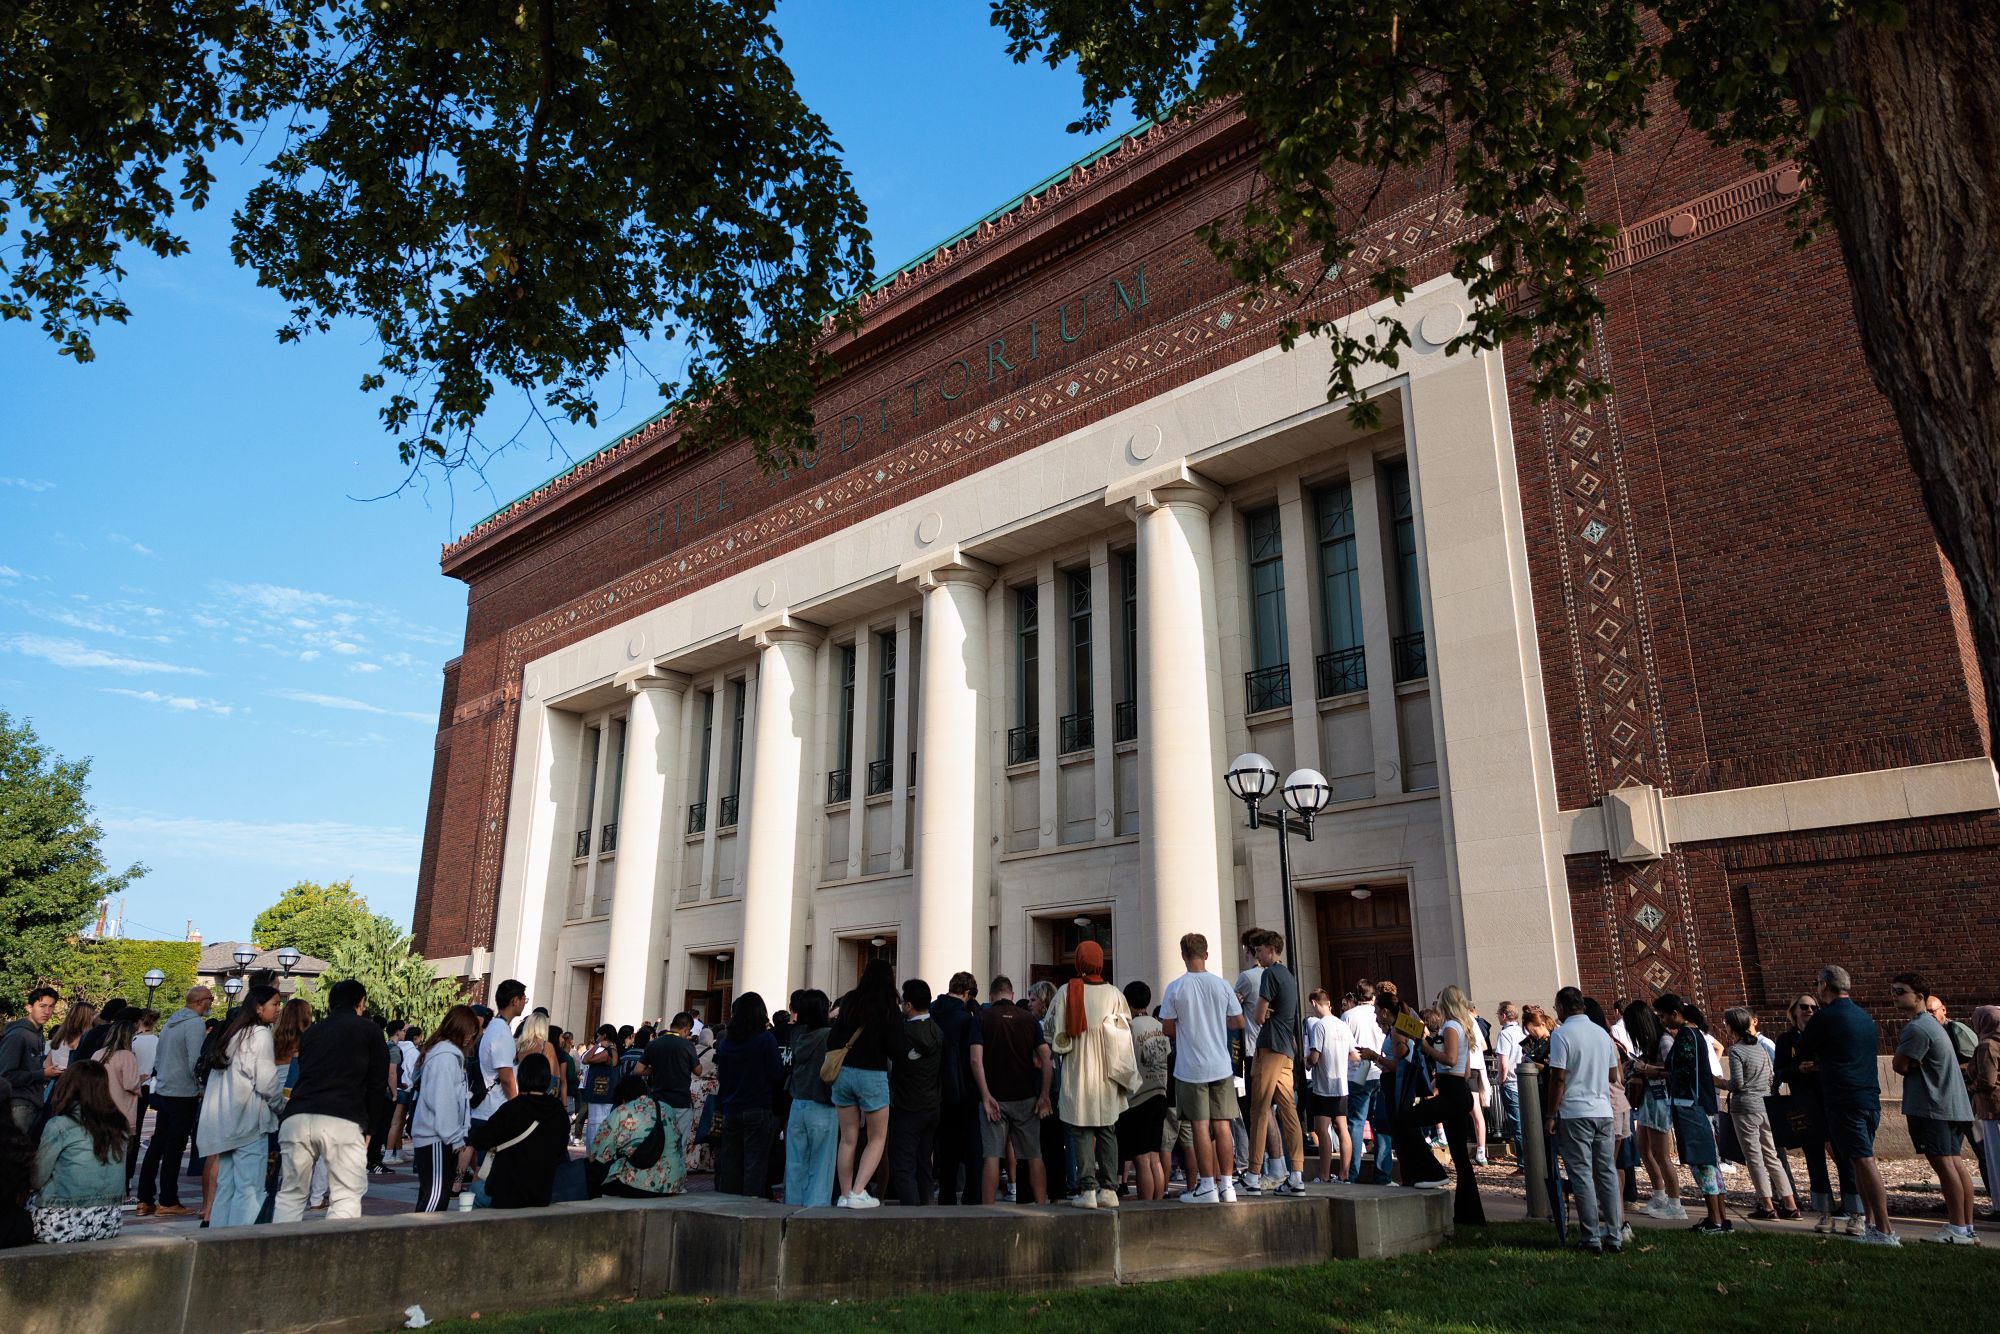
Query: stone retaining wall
x=360, y=1274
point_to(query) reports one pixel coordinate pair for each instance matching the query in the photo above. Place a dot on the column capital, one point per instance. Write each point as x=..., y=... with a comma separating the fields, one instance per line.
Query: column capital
x=649, y=676
x=950, y=566
x=781, y=628
x=1174, y=484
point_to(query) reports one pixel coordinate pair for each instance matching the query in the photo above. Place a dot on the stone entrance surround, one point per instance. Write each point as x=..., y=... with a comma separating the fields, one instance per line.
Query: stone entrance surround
x=361, y=1274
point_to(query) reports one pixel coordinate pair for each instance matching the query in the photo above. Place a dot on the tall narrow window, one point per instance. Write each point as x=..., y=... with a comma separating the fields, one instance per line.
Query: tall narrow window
x=882, y=768
x=1127, y=714
x=1412, y=661
x=1024, y=738
x=590, y=739
x=839, y=778
x=1077, y=729
x=1342, y=665
x=698, y=808
x=1269, y=683
x=614, y=786
x=739, y=692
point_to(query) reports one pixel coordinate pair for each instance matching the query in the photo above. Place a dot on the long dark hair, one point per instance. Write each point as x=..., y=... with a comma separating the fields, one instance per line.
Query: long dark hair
x=1643, y=1027
x=809, y=1010
x=120, y=1033
x=84, y=1095
x=874, y=999
x=748, y=1017
x=245, y=1017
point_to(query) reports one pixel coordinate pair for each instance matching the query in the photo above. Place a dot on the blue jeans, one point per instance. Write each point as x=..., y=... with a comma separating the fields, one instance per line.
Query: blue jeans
x=812, y=1138
x=1510, y=1118
x=1361, y=1097
x=239, y=1185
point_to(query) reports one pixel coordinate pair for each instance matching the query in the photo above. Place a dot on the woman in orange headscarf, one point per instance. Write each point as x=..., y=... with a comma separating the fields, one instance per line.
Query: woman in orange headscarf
x=1090, y=1027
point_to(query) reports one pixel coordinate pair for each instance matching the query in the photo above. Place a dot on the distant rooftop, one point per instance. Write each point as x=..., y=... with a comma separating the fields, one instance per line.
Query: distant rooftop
x=1040, y=187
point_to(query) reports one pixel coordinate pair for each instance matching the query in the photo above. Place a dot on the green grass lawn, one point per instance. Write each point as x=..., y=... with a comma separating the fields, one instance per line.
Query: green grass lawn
x=1511, y=1277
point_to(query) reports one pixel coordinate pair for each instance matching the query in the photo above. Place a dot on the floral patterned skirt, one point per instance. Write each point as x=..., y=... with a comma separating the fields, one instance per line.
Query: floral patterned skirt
x=55, y=1226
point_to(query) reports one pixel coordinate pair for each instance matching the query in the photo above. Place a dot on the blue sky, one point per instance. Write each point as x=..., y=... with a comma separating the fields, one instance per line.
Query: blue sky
x=191, y=596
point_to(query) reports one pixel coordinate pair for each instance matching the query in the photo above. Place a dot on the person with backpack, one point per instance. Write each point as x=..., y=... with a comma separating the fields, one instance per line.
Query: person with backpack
x=915, y=1094
x=1682, y=1062
x=79, y=1172
x=176, y=1104
x=239, y=1107
x=636, y=1153
x=441, y=1108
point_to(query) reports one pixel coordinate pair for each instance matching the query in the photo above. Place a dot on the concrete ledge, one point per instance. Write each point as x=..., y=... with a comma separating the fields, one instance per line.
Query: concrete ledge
x=360, y=1274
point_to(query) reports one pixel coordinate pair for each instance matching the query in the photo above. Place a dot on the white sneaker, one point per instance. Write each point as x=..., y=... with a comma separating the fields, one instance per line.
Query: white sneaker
x=1825, y=1224
x=1083, y=1199
x=1010, y=1192
x=1670, y=1208
x=1951, y=1236
x=1625, y=1234
x=1202, y=1195
x=1107, y=1199
x=1872, y=1237
x=861, y=1199
x=1249, y=1183
x=1857, y=1225
x=1228, y=1189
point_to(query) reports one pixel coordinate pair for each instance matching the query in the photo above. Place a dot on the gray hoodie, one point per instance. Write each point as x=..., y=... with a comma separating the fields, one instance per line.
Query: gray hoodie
x=180, y=1047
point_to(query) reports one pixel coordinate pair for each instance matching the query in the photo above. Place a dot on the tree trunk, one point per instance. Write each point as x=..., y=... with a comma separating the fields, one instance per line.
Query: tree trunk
x=1912, y=182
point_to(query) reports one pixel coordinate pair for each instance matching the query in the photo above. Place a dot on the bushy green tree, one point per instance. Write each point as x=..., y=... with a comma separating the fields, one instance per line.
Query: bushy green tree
x=313, y=919
x=513, y=194
x=52, y=873
x=400, y=983
x=1887, y=106
x=97, y=970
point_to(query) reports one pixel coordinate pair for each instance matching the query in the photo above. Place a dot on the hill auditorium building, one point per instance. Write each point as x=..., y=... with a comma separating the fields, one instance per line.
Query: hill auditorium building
x=1670, y=693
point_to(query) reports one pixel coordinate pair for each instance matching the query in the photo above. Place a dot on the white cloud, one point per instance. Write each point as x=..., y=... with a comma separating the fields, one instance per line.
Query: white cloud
x=180, y=703
x=342, y=646
x=352, y=705
x=9, y=574
x=310, y=655
x=125, y=541
x=365, y=667
x=28, y=483
x=319, y=849
x=74, y=653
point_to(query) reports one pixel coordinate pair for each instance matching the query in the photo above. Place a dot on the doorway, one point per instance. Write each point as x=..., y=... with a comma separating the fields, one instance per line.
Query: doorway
x=1055, y=950
x=1364, y=934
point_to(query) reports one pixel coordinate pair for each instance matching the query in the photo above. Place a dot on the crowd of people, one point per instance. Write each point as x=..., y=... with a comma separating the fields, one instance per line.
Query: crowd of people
x=1080, y=1092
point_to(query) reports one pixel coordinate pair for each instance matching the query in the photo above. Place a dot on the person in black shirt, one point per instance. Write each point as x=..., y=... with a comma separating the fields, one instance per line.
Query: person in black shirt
x=956, y=1014
x=670, y=1063
x=526, y=1139
x=914, y=1097
x=343, y=1081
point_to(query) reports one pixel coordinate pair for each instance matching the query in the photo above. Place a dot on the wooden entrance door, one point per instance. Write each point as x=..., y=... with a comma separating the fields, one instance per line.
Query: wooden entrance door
x=1366, y=939
x=593, y=1003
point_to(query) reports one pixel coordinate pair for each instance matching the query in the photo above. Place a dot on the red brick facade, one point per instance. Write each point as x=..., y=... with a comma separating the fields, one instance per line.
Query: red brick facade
x=1734, y=580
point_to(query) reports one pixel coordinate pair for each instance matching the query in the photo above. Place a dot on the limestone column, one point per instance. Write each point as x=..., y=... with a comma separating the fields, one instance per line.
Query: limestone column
x=1182, y=872
x=953, y=820
x=772, y=819
x=638, y=900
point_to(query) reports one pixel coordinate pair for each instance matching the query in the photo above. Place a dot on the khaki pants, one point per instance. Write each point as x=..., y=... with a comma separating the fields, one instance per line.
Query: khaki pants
x=1768, y=1177
x=310, y=1139
x=1271, y=1079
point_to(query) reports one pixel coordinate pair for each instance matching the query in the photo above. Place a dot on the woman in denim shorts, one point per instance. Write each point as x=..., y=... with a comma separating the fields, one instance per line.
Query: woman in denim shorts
x=869, y=1025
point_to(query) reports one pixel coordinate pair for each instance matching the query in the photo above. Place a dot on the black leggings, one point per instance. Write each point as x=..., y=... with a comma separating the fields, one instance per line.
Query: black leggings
x=1456, y=1097
x=435, y=1164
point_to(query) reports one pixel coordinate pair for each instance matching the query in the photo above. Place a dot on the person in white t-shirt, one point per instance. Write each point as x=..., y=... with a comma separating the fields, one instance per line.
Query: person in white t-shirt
x=1582, y=1059
x=496, y=1048
x=1507, y=1052
x=1329, y=1048
x=1364, y=1082
x=1198, y=1010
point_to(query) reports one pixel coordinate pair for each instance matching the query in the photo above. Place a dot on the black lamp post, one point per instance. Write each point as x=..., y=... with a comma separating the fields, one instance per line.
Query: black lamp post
x=1252, y=779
